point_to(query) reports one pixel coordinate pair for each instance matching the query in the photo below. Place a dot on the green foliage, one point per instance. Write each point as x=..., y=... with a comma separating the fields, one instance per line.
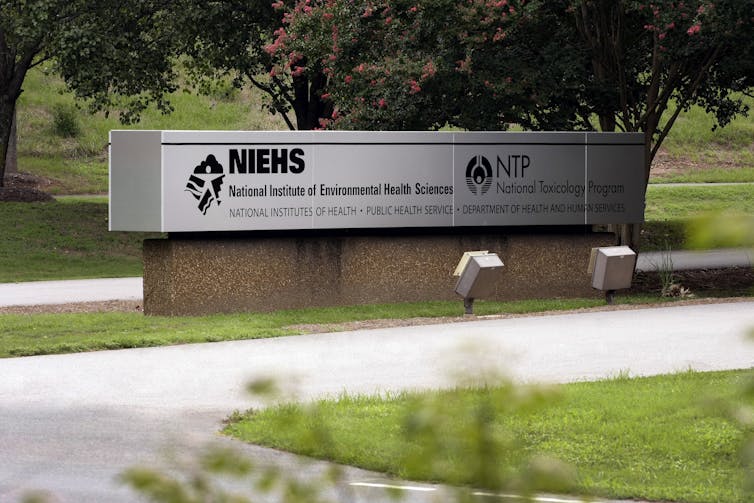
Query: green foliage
x=670, y=209
x=717, y=230
x=433, y=433
x=649, y=438
x=207, y=476
x=545, y=65
x=65, y=121
x=110, y=52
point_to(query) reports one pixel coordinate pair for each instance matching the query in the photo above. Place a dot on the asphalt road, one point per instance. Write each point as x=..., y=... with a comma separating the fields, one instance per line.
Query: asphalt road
x=69, y=424
x=70, y=291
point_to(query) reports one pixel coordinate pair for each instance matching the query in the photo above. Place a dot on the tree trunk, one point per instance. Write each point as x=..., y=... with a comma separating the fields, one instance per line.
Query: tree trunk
x=11, y=156
x=630, y=234
x=7, y=111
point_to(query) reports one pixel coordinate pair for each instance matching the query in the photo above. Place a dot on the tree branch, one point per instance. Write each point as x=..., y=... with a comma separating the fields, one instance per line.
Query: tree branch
x=275, y=97
x=700, y=76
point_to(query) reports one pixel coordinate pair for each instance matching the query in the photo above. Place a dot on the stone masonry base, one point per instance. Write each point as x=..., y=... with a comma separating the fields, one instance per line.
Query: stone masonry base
x=205, y=275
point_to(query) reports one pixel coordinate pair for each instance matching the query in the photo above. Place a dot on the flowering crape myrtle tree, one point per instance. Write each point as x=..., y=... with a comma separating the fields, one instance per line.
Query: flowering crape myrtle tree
x=421, y=64
x=556, y=64
x=379, y=60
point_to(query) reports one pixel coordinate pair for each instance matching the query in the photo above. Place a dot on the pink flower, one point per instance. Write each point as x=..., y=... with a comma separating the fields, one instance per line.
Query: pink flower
x=429, y=70
x=415, y=87
x=382, y=103
x=694, y=29
x=325, y=96
x=348, y=79
x=271, y=49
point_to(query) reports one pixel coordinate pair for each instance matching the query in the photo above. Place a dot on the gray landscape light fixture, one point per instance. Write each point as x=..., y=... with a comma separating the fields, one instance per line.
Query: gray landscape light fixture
x=612, y=268
x=477, y=273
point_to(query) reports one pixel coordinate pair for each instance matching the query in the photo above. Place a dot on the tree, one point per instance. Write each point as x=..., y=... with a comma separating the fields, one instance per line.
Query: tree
x=555, y=64
x=652, y=60
x=105, y=51
x=234, y=38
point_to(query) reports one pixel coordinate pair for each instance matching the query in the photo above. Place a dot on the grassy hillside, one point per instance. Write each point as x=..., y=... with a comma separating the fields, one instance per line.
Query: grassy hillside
x=66, y=144
x=69, y=146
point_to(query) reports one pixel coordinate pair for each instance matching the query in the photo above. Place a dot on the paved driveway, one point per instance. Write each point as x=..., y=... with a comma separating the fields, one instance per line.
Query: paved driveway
x=71, y=423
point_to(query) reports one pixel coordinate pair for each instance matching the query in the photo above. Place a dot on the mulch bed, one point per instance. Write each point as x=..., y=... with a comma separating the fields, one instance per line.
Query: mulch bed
x=24, y=188
x=732, y=281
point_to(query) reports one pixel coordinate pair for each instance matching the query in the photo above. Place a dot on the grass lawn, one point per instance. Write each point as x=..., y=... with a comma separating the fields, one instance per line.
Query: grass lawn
x=670, y=209
x=649, y=438
x=64, y=239
x=25, y=335
x=678, y=203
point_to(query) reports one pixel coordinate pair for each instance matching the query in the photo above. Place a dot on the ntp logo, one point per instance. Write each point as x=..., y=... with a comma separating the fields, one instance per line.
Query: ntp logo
x=479, y=175
x=205, y=182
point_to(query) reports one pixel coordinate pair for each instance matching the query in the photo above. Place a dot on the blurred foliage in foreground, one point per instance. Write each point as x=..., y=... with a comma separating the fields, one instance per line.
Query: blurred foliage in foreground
x=481, y=456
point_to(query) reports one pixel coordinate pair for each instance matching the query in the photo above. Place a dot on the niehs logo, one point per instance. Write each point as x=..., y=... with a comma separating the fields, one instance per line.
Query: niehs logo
x=266, y=161
x=205, y=182
x=479, y=175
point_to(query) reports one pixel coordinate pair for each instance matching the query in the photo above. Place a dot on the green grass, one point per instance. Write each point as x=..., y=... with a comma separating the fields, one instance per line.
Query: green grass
x=674, y=203
x=78, y=164
x=670, y=211
x=693, y=135
x=707, y=156
x=648, y=438
x=24, y=335
x=64, y=239
x=743, y=174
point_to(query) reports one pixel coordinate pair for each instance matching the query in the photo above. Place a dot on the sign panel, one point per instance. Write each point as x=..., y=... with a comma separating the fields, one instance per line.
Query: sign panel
x=240, y=181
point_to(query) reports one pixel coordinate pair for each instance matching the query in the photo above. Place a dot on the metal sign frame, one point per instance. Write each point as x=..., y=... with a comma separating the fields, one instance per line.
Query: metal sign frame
x=204, y=181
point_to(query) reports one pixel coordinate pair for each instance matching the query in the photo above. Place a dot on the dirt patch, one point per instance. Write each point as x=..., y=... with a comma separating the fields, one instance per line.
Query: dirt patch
x=25, y=188
x=389, y=323
x=80, y=307
x=666, y=165
x=737, y=281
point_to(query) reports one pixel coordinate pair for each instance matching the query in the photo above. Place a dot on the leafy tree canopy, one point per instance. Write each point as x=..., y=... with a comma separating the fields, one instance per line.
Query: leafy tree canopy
x=110, y=52
x=554, y=64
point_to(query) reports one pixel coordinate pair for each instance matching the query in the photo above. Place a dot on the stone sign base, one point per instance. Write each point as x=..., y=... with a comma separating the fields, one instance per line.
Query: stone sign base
x=206, y=275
